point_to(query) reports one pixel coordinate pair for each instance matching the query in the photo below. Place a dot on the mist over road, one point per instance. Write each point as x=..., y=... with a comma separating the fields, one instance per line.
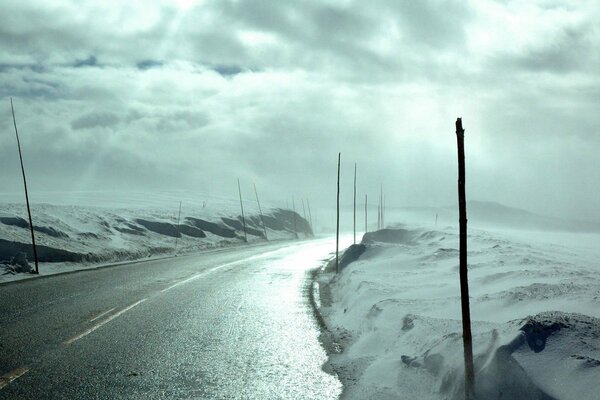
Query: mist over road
x=229, y=324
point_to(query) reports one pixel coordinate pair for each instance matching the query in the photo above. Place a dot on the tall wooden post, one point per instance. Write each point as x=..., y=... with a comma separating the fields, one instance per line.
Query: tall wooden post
x=354, y=203
x=262, y=220
x=464, y=282
x=366, y=213
x=304, y=211
x=310, y=217
x=337, y=223
x=35, y=257
x=242, y=207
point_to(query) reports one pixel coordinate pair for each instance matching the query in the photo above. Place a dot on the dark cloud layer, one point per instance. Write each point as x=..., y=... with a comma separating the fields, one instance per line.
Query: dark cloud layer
x=193, y=94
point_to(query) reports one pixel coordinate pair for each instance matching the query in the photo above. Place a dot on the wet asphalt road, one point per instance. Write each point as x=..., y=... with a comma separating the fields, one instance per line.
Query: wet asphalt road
x=233, y=324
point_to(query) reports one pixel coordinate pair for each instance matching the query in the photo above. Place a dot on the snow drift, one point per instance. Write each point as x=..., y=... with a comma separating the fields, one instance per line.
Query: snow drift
x=395, y=313
x=69, y=234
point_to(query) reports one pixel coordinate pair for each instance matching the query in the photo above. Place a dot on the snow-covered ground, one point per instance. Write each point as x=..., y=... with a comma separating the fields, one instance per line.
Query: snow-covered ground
x=395, y=311
x=78, y=236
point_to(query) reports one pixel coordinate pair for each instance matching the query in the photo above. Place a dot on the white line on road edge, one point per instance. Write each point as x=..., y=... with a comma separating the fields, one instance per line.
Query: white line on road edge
x=102, y=314
x=11, y=376
x=93, y=328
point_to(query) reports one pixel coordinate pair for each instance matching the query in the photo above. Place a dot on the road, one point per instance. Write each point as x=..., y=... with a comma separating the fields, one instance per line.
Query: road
x=234, y=324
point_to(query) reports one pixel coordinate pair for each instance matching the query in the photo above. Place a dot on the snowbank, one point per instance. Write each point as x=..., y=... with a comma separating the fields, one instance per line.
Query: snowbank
x=68, y=237
x=395, y=313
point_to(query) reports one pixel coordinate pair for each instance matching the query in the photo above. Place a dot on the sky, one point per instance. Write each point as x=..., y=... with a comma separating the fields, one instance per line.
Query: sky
x=191, y=95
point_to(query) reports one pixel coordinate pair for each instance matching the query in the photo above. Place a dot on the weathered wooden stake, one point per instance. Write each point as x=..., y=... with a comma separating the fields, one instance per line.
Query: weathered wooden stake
x=464, y=282
x=262, y=220
x=242, y=207
x=35, y=257
x=366, y=213
x=337, y=223
x=354, y=203
x=310, y=218
x=304, y=215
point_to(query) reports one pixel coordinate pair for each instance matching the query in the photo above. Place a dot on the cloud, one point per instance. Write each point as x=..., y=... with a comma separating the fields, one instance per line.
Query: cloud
x=159, y=96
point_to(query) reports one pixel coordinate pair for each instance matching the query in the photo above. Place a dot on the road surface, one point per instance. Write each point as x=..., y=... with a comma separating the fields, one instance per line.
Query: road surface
x=234, y=324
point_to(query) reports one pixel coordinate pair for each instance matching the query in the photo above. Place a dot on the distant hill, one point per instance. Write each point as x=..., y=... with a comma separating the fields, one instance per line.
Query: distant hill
x=501, y=215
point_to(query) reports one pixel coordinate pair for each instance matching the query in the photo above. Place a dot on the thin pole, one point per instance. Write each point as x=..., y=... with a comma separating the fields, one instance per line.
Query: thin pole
x=337, y=224
x=35, y=257
x=436, y=218
x=366, y=213
x=242, y=207
x=262, y=220
x=294, y=210
x=304, y=210
x=383, y=213
x=354, y=203
x=310, y=217
x=178, y=219
x=464, y=282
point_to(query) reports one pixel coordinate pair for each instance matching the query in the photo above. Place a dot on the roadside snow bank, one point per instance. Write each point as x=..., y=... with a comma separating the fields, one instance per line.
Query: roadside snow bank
x=395, y=311
x=76, y=235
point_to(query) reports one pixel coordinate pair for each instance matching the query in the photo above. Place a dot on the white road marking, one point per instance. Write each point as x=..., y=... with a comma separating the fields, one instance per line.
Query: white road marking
x=101, y=314
x=11, y=376
x=107, y=320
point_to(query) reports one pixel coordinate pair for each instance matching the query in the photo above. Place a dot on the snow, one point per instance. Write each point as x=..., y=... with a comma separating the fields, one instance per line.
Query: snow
x=395, y=312
x=70, y=237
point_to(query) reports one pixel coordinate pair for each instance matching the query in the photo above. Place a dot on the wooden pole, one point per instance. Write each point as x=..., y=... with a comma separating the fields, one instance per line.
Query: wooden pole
x=310, y=217
x=178, y=219
x=304, y=212
x=262, y=220
x=242, y=207
x=35, y=257
x=354, y=203
x=337, y=224
x=464, y=282
x=383, y=213
x=366, y=213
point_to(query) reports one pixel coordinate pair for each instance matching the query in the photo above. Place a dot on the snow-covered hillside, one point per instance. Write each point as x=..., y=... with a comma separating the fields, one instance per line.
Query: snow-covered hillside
x=67, y=236
x=535, y=306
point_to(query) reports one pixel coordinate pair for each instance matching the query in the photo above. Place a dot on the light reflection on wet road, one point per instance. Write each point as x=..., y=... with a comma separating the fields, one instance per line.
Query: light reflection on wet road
x=243, y=331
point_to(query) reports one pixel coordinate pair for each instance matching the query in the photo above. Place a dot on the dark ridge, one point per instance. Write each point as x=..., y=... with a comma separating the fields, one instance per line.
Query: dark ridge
x=162, y=228
x=50, y=231
x=14, y=221
x=237, y=225
x=351, y=254
x=129, y=231
x=398, y=236
x=134, y=227
x=21, y=223
x=273, y=223
x=234, y=223
x=9, y=249
x=212, y=227
x=89, y=235
x=287, y=217
x=191, y=231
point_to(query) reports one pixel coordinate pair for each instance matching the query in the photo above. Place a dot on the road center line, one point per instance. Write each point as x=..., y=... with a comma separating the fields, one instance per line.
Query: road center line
x=11, y=376
x=101, y=314
x=98, y=325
